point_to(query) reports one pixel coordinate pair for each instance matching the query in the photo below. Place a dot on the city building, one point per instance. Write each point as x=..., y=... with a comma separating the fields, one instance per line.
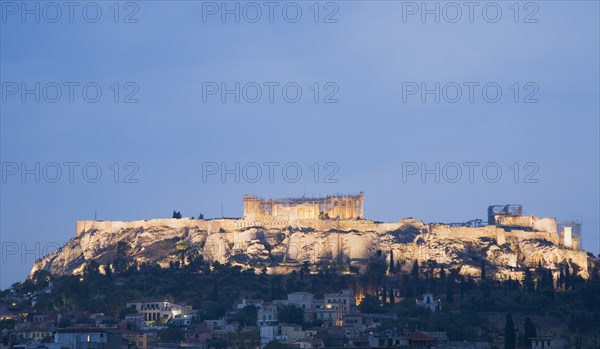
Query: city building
x=267, y=314
x=547, y=343
x=157, y=310
x=429, y=303
x=335, y=306
x=88, y=338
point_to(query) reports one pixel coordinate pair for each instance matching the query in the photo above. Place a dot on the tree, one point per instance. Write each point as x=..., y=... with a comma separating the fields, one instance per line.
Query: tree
x=304, y=269
x=528, y=285
x=41, y=278
x=201, y=216
x=510, y=339
x=290, y=314
x=91, y=270
x=376, y=271
x=108, y=271
x=449, y=291
x=414, y=278
x=246, y=316
x=392, y=265
x=546, y=281
x=121, y=260
x=370, y=305
x=415, y=270
x=171, y=335
x=529, y=332
x=177, y=214
x=407, y=289
x=483, y=276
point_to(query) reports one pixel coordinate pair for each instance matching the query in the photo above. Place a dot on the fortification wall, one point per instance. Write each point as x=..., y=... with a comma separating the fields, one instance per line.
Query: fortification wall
x=223, y=232
x=546, y=224
x=490, y=231
x=532, y=222
x=520, y=235
x=211, y=226
x=236, y=225
x=317, y=224
x=516, y=221
x=447, y=231
x=233, y=225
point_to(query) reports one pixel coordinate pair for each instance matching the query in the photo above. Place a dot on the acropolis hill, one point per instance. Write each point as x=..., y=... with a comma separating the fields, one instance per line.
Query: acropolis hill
x=282, y=234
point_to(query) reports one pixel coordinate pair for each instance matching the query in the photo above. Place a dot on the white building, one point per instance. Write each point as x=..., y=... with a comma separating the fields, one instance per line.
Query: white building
x=291, y=331
x=303, y=300
x=156, y=310
x=429, y=303
x=246, y=302
x=268, y=333
x=36, y=333
x=387, y=339
x=267, y=314
x=335, y=306
x=88, y=338
x=181, y=320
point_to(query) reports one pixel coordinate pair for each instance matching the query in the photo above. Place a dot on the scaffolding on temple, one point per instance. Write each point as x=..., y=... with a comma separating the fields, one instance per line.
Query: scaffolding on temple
x=503, y=210
x=569, y=233
x=332, y=206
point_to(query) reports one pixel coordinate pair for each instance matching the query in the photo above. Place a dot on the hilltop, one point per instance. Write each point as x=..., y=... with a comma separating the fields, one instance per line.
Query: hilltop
x=281, y=247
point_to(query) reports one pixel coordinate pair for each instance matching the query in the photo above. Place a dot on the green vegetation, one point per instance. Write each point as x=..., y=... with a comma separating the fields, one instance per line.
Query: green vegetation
x=290, y=314
x=214, y=288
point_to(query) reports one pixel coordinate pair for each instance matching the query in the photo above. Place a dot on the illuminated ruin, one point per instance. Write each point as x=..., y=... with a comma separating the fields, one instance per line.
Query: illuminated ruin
x=329, y=207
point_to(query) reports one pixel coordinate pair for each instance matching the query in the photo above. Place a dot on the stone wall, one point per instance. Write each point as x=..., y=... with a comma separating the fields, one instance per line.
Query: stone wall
x=211, y=226
x=530, y=222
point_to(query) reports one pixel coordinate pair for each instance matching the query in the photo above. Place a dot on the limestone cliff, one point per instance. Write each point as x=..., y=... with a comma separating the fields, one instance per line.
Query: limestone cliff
x=283, y=246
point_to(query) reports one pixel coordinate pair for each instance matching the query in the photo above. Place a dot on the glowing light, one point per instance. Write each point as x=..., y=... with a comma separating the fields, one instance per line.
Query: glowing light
x=358, y=298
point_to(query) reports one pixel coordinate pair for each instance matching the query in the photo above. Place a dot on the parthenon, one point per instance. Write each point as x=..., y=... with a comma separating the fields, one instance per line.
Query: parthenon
x=329, y=207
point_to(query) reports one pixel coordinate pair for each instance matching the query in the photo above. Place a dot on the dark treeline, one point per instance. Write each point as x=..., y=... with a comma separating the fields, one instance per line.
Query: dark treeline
x=214, y=288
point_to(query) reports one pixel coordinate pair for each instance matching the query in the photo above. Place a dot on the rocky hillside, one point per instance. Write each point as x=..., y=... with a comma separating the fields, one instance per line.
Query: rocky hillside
x=284, y=247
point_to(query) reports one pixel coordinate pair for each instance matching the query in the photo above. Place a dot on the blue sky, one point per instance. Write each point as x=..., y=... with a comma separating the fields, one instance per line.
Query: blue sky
x=369, y=133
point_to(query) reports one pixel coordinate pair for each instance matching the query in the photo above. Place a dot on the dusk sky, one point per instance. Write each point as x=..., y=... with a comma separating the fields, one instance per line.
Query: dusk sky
x=164, y=130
